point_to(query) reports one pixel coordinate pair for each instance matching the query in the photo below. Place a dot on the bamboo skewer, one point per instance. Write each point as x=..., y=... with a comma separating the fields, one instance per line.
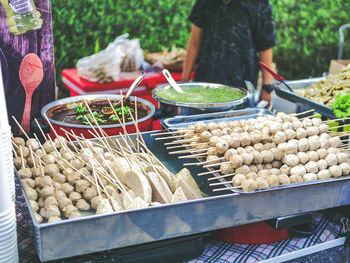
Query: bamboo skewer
x=221, y=176
x=136, y=120
x=181, y=141
x=169, y=137
x=185, y=145
x=42, y=132
x=20, y=127
x=301, y=113
x=335, y=120
x=215, y=164
x=22, y=158
x=209, y=172
x=170, y=132
x=41, y=146
x=193, y=156
x=221, y=183
x=188, y=151
x=310, y=116
x=31, y=154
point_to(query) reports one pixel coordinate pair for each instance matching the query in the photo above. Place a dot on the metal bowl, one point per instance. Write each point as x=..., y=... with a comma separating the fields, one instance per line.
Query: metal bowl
x=174, y=108
x=145, y=123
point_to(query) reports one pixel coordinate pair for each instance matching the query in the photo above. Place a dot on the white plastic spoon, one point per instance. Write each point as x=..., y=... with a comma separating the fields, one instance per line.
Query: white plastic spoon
x=133, y=86
x=171, y=81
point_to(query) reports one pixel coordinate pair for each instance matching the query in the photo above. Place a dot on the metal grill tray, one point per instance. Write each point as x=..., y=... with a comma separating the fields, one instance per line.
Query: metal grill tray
x=293, y=97
x=95, y=233
x=184, y=121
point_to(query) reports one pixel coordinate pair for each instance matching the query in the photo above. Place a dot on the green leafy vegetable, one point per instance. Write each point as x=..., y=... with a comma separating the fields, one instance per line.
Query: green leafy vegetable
x=80, y=109
x=341, y=106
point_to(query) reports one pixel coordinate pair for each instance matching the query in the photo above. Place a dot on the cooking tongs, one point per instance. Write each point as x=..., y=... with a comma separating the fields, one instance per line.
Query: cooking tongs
x=275, y=75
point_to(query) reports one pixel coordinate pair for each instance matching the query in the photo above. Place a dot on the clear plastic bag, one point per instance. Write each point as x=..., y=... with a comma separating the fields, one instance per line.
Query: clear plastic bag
x=105, y=66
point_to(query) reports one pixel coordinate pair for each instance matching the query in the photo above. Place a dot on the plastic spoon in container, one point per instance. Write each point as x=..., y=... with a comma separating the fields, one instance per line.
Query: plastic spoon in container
x=133, y=86
x=275, y=75
x=171, y=81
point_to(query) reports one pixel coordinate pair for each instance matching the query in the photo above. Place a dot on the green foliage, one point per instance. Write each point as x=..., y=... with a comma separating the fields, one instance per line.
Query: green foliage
x=307, y=34
x=307, y=31
x=82, y=28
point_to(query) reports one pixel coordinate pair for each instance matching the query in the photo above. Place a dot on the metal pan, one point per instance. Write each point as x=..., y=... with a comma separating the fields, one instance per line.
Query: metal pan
x=175, y=108
x=292, y=97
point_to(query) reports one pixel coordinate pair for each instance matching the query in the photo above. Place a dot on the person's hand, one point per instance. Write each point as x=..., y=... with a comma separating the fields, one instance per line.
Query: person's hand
x=185, y=78
x=264, y=95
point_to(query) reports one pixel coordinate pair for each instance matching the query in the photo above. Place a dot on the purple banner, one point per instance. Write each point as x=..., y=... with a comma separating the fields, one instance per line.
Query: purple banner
x=35, y=75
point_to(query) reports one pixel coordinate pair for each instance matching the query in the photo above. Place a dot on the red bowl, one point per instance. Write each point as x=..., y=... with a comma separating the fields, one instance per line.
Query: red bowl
x=144, y=124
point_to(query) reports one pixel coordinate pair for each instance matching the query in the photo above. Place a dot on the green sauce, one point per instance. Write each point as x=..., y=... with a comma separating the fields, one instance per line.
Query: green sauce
x=202, y=95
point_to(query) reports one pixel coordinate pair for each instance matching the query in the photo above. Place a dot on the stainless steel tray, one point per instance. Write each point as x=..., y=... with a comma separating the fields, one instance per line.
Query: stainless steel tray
x=302, y=101
x=90, y=234
x=184, y=121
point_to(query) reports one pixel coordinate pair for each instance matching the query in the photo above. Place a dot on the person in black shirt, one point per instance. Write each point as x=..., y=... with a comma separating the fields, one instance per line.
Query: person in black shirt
x=226, y=38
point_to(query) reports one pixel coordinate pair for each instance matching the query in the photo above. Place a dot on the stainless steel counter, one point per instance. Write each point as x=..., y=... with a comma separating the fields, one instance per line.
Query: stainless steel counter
x=102, y=232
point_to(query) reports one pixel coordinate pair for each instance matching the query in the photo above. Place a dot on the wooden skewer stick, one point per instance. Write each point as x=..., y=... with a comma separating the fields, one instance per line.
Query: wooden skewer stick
x=221, y=183
x=41, y=146
x=96, y=182
x=143, y=143
x=203, y=163
x=185, y=145
x=170, y=132
x=188, y=151
x=136, y=124
x=341, y=126
x=221, y=176
x=335, y=120
x=14, y=150
x=301, y=113
x=97, y=135
x=209, y=162
x=42, y=132
x=20, y=127
x=227, y=188
x=193, y=156
x=215, y=164
x=155, y=158
x=122, y=123
x=181, y=141
x=310, y=116
x=56, y=134
x=210, y=172
x=169, y=137
x=22, y=158
x=31, y=153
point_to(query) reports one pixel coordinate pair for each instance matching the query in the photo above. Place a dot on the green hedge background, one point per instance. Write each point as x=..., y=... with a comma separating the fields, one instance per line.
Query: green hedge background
x=307, y=31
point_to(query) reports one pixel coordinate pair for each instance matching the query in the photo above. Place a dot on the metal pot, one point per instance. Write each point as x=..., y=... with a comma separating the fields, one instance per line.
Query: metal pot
x=175, y=108
x=144, y=124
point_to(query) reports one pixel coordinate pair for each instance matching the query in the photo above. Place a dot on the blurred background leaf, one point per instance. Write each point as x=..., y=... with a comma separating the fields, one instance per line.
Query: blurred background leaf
x=307, y=31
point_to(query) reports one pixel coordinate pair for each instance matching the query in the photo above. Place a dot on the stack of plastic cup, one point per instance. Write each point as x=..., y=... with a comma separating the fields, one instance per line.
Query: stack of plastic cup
x=5, y=138
x=8, y=236
x=8, y=231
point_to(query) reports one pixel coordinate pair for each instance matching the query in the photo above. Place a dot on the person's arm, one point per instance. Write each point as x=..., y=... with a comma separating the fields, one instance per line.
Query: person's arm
x=192, y=52
x=266, y=58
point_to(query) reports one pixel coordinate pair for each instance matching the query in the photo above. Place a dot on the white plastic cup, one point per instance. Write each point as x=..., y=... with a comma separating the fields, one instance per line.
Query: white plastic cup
x=6, y=164
x=8, y=236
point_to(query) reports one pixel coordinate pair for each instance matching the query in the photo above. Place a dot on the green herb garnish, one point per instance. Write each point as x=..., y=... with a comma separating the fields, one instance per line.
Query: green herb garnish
x=80, y=109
